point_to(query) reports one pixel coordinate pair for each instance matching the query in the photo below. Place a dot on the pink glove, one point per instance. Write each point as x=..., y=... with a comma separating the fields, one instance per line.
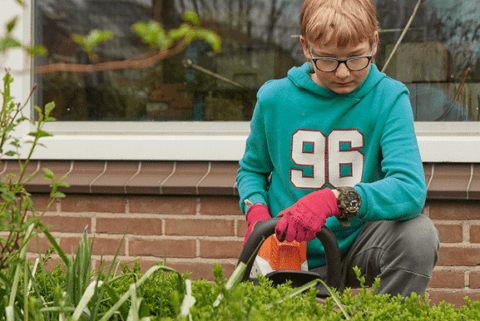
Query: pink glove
x=256, y=213
x=307, y=216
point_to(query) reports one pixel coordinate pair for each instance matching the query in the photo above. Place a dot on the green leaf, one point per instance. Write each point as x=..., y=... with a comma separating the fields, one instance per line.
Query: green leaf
x=48, y=108
x=37, y=50
x=211, y=37
x=94, y=38
x=8, y=196
x=8, y=43
x=19, y=120
x=40, y=133
x=181, y=32
x=57, y=195
x=63, y=184
x=11, y=24
x=78, y=39
x=87, y=295
x=152, y=33
x=48, y=174
x=11, y=153
x=192, y=17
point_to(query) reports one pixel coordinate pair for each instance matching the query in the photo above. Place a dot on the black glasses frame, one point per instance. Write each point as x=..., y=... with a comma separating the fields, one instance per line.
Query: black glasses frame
x=341, y=61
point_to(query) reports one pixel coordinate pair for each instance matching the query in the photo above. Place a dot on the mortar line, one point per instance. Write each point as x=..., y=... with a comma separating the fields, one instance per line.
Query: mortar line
x=134, y=175
x=470, y=181
x=96, y=178
x=168, y=177
x=431, y=177
x=204, y=176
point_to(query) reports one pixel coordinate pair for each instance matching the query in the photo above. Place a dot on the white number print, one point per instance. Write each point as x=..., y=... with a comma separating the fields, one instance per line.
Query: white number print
x=335, y=160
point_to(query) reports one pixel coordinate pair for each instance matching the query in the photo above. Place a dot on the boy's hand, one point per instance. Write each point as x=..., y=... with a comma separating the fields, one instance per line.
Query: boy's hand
x=256, y=213
x=302, y=220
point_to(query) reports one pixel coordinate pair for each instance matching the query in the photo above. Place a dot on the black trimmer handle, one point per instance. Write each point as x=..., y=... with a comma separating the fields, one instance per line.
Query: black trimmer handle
x=264, y=229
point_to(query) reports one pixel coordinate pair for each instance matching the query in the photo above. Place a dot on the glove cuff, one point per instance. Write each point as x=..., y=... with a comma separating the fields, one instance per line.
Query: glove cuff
x=257, y=212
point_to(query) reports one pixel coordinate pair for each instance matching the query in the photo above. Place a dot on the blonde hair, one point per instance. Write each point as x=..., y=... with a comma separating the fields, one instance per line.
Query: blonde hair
x=340, y=22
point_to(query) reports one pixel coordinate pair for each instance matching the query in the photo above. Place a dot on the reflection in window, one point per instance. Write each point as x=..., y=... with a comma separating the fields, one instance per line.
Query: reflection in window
x=438, y=60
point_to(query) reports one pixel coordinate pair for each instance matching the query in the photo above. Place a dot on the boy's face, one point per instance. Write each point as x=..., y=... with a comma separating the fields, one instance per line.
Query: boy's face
x=342, y=80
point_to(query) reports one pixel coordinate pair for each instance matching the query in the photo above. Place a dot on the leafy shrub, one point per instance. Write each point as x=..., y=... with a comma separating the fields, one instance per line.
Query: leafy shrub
x=162, y=301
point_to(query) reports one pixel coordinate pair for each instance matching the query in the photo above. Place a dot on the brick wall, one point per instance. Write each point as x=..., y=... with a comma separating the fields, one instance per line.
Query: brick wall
x=196, y=232
x=188, y=212
x=457, y=273
x=192, y=232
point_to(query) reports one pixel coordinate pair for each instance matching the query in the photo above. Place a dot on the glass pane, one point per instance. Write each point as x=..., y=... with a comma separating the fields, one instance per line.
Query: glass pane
x=438, y=59
x=255, y=49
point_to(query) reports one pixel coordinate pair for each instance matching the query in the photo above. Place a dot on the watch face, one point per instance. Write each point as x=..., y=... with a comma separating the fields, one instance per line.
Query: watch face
x=349, y=201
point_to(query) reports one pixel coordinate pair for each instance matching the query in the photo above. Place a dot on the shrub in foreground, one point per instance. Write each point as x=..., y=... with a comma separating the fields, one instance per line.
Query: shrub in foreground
x=162, y=299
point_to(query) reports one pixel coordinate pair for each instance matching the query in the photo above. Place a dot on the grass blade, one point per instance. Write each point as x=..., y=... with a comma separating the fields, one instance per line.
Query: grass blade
x=106, y=280
x=120, y=302
x=54, y=243
x=232, y=282
x=296, y=291
x=70, y=281
x=188, y=300
x=337, y=301
x=87, y=295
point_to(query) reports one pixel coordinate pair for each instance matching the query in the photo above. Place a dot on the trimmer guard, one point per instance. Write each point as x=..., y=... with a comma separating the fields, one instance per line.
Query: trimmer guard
x=264, y=229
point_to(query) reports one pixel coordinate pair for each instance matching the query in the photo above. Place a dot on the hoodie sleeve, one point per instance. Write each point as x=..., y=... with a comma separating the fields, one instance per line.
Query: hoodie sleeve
x=400, y=195
x=255, y=166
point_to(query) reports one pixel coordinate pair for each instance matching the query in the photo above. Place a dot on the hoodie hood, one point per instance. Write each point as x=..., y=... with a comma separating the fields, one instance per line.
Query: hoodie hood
x=300, y=77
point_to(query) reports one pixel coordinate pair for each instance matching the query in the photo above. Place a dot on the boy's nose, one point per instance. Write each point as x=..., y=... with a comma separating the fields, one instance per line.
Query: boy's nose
x=342, y=71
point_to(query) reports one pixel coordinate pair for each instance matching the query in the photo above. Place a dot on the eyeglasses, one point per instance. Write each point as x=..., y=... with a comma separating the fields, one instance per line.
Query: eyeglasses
x=329, y=64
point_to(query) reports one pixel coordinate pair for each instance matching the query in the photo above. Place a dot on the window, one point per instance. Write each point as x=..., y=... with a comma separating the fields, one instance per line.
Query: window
x=200, y=111
x=254, y=51
x=439, y=58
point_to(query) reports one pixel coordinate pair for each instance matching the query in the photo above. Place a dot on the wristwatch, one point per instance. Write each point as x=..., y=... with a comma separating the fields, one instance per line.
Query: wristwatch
x=348, y=202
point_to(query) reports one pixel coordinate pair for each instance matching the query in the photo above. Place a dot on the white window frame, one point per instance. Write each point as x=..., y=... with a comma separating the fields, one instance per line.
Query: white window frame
x=184, y=141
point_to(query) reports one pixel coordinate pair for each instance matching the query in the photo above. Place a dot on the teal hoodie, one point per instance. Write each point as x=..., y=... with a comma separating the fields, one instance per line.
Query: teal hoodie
x=305, y=138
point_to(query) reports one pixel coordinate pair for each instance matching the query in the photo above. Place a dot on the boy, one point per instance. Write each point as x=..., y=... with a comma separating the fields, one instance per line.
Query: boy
x=334, y=144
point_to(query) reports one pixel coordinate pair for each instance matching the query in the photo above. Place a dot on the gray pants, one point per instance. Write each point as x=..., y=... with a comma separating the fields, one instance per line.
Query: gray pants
x=402, y=254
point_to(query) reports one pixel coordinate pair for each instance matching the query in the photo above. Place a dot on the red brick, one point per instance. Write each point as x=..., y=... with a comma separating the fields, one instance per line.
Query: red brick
x=160, y=248
x=447, y=279
x=201, y=270
x=220, y=249
x=137, y=226
x=475, y=234
x=93, y=203
x=53, y=262
x=144, y=264
x=220, y=206
x=40, y=202
x=474, y=280
x=454, y=210
x=101, y=246
x=242, y=227
x=67, y=224
x=450, y=233
x=42, y=242
x=199, y=227
x=456, y=298
x=163, y=205
x=107, y=246
x=458, y=256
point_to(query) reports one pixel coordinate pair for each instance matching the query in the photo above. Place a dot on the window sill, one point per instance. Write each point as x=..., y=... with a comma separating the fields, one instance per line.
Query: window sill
x=444, y=181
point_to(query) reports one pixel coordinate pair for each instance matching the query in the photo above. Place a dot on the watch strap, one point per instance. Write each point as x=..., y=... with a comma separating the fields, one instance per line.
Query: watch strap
x=348, y=202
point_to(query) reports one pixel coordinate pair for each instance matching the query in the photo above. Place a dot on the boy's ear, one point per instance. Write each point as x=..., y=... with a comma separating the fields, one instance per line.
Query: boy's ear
x=304, y=43
x=375, y=45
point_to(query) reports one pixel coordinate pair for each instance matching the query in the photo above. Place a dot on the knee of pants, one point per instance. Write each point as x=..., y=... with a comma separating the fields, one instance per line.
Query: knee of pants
x=416, y=248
